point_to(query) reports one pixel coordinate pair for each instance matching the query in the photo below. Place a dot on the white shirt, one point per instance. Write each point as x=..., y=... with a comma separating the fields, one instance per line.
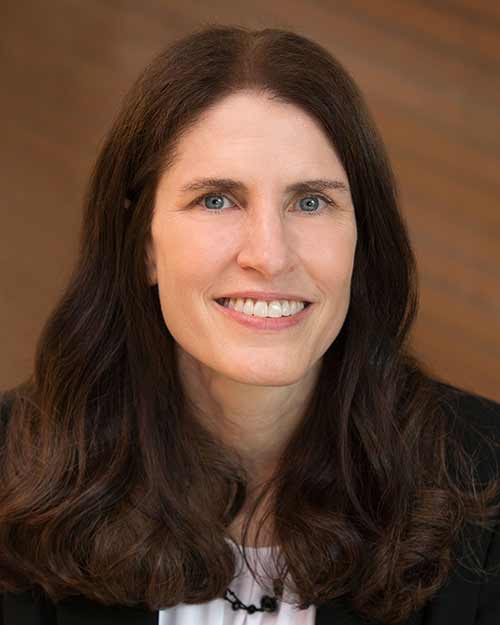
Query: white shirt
x=220, y=611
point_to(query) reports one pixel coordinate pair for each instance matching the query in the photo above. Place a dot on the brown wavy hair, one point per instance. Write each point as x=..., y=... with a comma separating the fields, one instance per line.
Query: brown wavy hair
x=110, y=485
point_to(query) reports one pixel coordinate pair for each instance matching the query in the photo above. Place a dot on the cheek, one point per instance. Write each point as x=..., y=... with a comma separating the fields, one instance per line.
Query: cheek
x=336, y=262
x=182, y=260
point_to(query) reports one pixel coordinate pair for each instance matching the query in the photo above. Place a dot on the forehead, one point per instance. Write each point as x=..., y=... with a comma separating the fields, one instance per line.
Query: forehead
x=252, y=134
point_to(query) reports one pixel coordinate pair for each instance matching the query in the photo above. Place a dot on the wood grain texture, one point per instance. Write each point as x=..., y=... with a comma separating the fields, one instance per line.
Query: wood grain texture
x=429, y=70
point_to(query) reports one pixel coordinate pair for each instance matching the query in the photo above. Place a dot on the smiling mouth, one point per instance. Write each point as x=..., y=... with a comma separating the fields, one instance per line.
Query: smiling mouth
x=222, y=300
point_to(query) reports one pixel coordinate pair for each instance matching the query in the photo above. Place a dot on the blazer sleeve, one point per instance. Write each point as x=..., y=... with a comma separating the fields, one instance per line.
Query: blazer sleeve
x=488, y=609
x=478, y=417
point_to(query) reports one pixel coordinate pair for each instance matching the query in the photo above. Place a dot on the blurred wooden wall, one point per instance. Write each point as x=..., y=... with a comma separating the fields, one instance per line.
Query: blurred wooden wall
x=430, y=71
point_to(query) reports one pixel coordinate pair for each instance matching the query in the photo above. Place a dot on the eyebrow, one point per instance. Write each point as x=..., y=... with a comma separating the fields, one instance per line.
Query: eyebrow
x=229, y=184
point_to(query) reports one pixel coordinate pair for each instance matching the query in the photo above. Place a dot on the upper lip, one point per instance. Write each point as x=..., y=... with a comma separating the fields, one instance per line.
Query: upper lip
x=266, y=296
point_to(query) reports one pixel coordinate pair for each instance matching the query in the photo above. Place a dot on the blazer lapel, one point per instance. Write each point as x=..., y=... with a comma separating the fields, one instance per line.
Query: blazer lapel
x=81, y=611
x=28, y=608
x=339, y=612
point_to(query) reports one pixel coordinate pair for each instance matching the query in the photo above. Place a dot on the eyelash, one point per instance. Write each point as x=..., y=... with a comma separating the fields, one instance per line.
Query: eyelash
x=218, y=211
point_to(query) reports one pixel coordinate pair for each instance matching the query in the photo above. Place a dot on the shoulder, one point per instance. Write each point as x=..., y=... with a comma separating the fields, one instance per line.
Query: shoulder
x=475, y=419
x=473, y=596
x=484, y=411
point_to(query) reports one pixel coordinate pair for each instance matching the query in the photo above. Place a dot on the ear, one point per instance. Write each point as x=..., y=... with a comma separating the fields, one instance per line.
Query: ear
x=151, y=263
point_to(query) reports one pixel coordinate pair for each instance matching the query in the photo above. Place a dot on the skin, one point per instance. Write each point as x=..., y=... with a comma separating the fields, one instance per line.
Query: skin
x=252, y=386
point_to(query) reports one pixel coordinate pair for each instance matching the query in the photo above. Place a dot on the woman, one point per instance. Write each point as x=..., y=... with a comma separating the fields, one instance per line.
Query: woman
x=228, y=375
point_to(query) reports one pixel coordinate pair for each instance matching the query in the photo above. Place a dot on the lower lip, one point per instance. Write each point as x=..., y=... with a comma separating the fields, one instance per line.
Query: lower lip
x=264, y=323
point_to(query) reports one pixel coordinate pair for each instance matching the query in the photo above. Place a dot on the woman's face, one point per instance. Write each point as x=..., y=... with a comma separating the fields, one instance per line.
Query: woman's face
x=258, y=237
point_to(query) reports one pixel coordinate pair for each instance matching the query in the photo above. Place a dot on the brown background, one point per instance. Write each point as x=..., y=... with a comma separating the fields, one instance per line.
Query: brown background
x=429, y=70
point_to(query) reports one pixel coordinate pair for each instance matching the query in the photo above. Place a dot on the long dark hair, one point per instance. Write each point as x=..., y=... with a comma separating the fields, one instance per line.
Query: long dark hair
x=112, y=488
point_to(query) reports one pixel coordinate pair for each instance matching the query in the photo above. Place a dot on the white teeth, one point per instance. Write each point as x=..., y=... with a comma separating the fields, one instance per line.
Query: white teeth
x=259, y=308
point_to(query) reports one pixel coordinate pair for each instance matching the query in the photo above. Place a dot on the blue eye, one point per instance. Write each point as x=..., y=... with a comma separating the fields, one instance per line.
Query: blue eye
x=216, y=207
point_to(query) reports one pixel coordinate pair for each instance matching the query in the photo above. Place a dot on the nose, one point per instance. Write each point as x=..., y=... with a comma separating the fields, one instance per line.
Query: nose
x=266, y=243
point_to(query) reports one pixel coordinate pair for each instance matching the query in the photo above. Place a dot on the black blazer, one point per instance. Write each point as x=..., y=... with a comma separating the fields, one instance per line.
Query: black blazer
x=464, y=599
